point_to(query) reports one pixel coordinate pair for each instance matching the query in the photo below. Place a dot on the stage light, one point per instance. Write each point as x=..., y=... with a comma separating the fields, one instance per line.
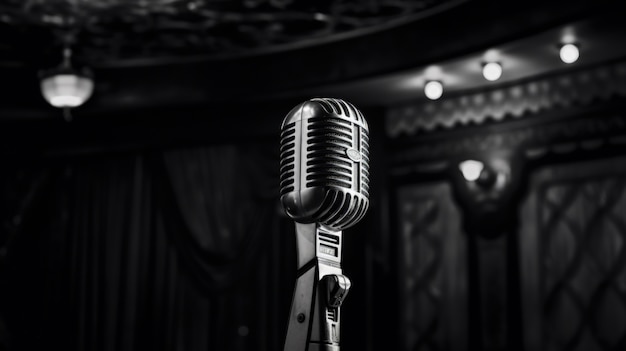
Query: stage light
x=471, y=169
x=569, y=53
x=492, y=71
x=433, y=89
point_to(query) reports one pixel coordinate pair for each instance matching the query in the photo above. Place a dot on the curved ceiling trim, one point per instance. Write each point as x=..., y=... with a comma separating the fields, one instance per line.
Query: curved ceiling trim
x=143, y=32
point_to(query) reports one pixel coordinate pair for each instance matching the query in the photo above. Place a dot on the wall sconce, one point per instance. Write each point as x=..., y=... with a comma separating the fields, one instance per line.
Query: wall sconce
x=487, y=187
x=66, y=87
x=471, y=169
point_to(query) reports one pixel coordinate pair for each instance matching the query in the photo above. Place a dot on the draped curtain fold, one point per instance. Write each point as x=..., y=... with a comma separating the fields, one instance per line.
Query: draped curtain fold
x=141, y=251
x=217, y=209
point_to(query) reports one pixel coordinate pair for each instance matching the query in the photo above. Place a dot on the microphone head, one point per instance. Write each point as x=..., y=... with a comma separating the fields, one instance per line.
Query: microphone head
x=324, y=163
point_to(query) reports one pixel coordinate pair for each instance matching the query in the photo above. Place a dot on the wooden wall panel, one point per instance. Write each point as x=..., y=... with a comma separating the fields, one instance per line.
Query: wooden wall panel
x=573, y=257
x=433, y=269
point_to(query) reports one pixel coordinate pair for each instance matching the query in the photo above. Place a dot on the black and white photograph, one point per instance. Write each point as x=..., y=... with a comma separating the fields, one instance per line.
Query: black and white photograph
x=312, y=175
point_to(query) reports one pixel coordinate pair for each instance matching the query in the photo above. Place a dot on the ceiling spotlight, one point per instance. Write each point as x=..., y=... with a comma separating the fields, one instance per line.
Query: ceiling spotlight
x=492, y=71
x=433, y=89
x=569, y=53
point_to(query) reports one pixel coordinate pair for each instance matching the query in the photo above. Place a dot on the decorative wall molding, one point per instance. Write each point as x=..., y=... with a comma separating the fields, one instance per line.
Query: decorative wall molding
x=579, y=88
x=433, y=268
x=572, y=256
x=534, y=141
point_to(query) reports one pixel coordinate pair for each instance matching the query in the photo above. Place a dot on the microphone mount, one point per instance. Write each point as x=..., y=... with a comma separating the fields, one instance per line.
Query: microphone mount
x=321, y=287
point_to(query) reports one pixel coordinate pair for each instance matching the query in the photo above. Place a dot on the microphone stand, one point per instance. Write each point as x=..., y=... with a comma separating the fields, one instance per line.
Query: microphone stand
x=320, y=289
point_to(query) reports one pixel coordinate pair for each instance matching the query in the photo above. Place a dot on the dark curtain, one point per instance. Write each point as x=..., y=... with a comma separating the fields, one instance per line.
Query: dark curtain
x=223, y=191
x=173, y=250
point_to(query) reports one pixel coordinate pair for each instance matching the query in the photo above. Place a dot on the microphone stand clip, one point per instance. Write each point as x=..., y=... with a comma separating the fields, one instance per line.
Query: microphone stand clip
x=320, y=290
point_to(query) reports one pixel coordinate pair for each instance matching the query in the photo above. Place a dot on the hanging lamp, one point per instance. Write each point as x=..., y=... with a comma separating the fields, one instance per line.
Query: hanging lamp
x=66, y=87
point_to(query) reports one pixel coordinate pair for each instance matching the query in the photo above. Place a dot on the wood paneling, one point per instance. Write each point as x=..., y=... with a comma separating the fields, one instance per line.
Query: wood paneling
x=433, y=263
x=573, y=257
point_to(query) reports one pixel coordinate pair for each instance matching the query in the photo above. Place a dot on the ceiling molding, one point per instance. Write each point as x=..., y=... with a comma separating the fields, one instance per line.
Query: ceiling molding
x=511, y=102
x=297, y=73
x=137, y=32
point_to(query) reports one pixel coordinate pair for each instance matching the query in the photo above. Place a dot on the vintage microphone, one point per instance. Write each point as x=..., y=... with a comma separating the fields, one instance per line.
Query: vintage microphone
x=324, y=187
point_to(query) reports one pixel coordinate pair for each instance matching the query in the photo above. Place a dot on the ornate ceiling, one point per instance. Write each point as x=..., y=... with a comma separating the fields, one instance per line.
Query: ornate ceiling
x=107, y=31
x=156, y=54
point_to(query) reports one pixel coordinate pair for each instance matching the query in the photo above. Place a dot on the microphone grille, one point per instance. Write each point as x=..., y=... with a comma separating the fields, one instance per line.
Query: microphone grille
x=324, y=163
x=287, y=158
x=329, y=138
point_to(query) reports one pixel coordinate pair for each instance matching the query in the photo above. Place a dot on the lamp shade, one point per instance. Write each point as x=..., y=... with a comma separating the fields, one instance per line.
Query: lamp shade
x=66, y=89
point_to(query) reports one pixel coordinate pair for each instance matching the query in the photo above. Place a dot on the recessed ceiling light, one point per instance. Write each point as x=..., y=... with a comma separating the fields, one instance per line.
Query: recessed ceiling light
x=492, y=71
x=433, y=89
x=569, y=53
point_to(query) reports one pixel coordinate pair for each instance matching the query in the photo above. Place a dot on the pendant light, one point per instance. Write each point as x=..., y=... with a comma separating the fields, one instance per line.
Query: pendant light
x=66, y=87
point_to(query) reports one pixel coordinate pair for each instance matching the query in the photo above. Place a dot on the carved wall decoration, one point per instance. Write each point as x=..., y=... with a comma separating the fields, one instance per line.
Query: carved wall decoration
x=604, y=129
x=433, y=264
x=575, y=89
x=573, y=257
x=559, y=269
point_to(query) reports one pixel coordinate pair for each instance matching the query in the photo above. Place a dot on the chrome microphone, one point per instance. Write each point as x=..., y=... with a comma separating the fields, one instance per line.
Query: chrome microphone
x=324, y=188
x=324, y=163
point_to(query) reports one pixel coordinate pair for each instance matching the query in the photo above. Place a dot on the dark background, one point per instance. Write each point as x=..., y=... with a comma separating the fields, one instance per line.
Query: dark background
x=151, y=220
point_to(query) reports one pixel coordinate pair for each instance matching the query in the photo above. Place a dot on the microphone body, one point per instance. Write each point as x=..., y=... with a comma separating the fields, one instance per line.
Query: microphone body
x=324, y=187
x=325, y=163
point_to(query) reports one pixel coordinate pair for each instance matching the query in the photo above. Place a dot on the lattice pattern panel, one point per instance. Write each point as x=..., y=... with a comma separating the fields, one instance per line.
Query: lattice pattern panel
x=429, y=263
x=582, y=234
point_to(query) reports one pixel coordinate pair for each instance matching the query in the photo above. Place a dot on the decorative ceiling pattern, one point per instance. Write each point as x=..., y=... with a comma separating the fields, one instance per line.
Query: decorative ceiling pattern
x=515, y=101
x=102, y=31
